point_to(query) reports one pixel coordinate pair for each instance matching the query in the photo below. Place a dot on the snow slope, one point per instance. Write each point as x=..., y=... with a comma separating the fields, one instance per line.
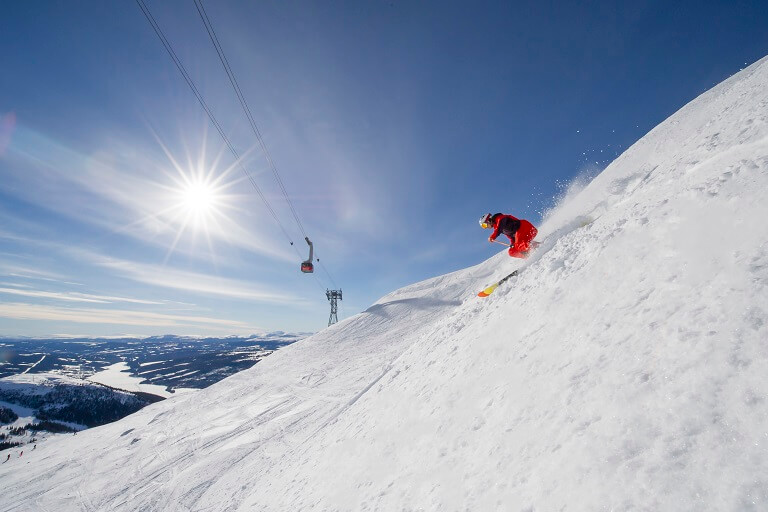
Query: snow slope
x=625, y=369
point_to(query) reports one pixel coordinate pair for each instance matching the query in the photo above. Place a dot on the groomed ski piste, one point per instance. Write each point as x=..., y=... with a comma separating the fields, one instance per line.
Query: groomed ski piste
x=625, y=369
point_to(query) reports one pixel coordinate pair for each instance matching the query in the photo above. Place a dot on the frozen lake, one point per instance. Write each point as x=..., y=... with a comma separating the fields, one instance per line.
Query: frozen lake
x=119, y=376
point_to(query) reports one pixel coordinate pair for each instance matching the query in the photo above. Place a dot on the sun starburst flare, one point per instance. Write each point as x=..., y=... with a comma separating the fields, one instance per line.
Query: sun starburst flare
x=192, y=200
x=199, y=201
x=198, y=204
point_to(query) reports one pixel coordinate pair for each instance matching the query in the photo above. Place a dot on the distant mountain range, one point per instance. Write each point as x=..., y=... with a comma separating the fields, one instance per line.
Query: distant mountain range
x=56, y=385
x=167, y=360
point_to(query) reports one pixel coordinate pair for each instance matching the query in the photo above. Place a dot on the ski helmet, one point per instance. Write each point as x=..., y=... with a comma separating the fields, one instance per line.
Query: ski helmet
x=485, y=221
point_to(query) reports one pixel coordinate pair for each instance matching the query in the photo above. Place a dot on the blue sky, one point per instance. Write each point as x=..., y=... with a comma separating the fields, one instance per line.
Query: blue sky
x=394, y=126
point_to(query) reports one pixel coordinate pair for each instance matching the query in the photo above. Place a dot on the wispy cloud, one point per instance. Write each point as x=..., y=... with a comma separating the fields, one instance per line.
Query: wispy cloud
x=23, y=311
x=135, y=195
x=14, y=285
x=158, y=275
x=74, y=296
x=49, y=295
x=24, y=272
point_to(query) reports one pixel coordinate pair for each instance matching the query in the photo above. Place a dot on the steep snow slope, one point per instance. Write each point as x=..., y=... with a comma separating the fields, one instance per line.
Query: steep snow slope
x=624, y=369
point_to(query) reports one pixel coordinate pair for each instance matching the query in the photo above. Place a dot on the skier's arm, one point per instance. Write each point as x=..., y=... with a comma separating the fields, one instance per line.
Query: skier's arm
x=494, y=234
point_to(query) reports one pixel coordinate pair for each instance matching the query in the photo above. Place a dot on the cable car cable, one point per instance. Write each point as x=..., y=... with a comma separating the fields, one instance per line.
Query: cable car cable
x=243, y=103
x=174, y=57
x=247, y=110
x=188, y=79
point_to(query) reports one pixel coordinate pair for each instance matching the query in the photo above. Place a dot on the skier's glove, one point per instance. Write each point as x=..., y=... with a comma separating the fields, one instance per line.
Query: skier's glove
x=491, y=239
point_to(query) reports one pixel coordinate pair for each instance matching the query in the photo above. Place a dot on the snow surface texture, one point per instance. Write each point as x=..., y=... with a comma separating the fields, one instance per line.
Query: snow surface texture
x=625, y=369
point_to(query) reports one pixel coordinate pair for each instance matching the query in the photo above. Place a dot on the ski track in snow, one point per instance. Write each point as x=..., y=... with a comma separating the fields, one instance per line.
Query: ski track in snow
x=624, y=370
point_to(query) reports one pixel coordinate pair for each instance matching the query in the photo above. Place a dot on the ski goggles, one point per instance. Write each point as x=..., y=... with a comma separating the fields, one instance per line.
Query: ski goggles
x=485, y=225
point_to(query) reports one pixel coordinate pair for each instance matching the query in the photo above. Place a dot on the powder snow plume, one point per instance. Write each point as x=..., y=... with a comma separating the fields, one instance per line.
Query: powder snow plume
x=623, y=369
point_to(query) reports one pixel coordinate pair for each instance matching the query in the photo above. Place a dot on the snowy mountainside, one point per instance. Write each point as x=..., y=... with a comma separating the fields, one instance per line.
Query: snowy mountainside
x=625, y=368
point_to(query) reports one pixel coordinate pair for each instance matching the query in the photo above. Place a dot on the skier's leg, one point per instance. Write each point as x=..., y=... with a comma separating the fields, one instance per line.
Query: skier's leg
x=532, y=244
x=523, y=237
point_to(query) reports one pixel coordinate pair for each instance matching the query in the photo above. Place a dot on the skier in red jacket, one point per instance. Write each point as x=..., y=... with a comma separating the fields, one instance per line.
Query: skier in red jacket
x=520, y=232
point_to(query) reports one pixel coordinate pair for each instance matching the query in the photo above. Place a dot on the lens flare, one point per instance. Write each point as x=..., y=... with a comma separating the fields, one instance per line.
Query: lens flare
x=195, y=201
x=199, y=200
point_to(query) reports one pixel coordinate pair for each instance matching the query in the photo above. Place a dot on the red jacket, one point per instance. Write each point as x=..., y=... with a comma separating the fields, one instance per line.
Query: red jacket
x=506, y=224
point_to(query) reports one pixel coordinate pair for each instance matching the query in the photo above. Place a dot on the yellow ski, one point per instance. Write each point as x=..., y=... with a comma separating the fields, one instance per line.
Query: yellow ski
x=486, y=292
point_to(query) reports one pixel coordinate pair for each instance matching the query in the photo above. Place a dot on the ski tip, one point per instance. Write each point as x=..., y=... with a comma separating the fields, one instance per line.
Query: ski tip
x=488, y=290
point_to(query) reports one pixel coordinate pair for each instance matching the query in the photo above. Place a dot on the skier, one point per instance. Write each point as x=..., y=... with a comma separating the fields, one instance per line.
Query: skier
x=519, y=231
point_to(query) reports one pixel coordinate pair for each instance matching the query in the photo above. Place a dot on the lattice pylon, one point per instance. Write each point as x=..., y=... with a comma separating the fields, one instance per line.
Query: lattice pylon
x=333, y=297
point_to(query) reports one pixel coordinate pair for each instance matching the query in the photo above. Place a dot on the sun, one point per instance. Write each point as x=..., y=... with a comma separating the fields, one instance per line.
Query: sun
x=198, y=202
x=198, y=199
x=194, y=201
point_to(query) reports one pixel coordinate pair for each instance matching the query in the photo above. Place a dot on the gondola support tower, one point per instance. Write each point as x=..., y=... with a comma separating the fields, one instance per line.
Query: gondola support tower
x=333, y=297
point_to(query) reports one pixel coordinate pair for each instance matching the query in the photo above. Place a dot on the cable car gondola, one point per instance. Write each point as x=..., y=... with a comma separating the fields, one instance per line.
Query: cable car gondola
x=306, y=266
